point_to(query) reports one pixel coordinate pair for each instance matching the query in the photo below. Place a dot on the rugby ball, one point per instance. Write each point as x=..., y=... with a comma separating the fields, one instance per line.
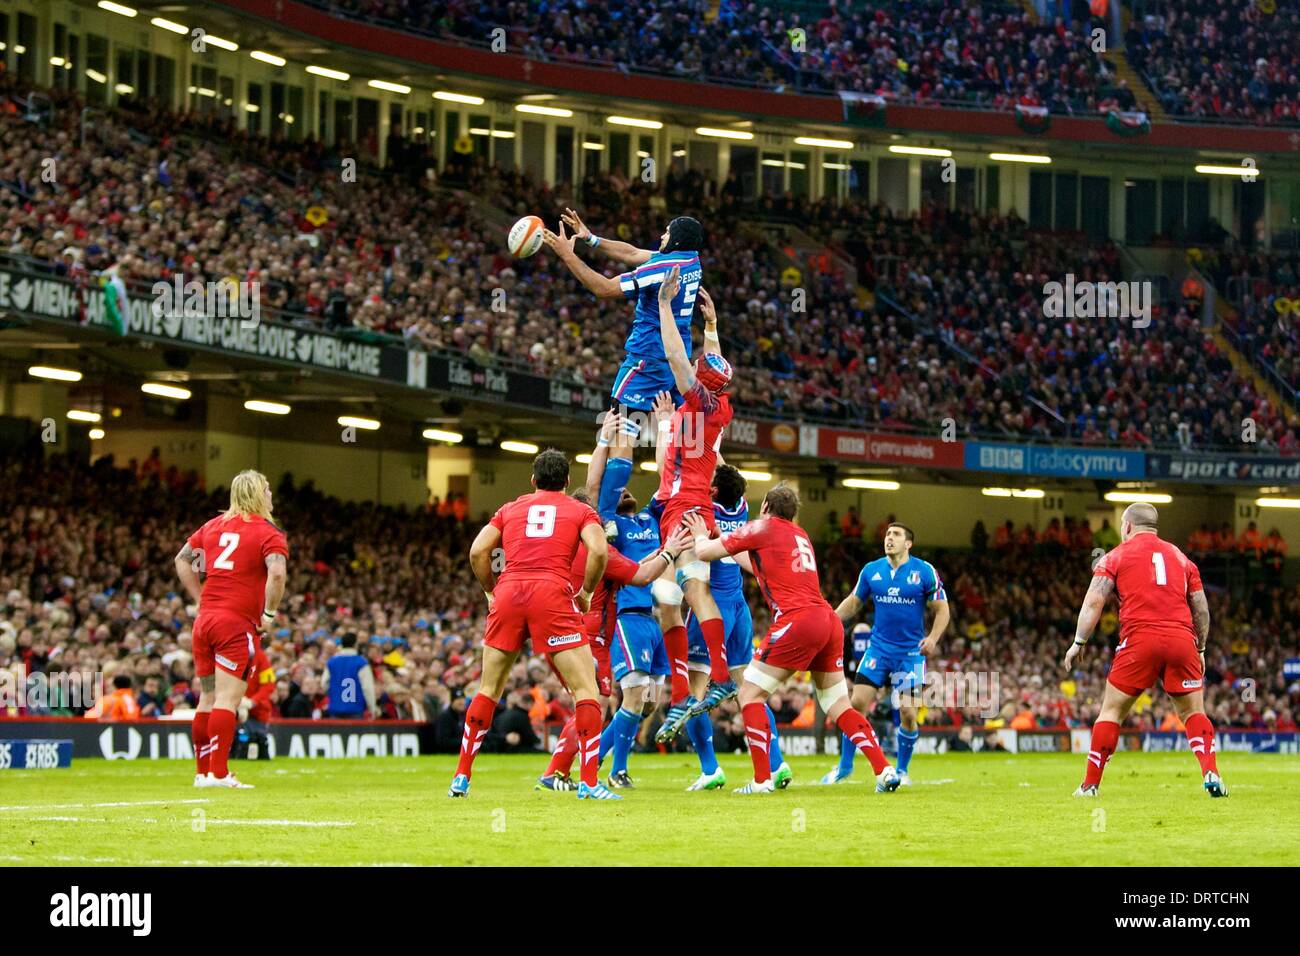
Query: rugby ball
x=525, y=237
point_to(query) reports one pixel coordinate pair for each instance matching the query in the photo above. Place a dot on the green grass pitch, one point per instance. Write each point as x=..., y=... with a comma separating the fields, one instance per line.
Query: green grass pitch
x=963, y=809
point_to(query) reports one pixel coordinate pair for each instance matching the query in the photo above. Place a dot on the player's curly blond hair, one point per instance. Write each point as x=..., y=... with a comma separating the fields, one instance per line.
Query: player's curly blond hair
x=248, y=495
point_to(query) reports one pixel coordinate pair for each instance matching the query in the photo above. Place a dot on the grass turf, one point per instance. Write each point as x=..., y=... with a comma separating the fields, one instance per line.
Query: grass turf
x=963, y=809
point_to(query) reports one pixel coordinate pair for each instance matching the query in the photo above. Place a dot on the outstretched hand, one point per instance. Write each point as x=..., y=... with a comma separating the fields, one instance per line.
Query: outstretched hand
x=561, y=244
x=707, y=310
x=580, y=230
x=672, y=282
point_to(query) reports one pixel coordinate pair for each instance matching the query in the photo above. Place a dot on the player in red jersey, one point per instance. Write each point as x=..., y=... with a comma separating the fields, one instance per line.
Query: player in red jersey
x=539, y=535
x=234, y=568
x=1164, y=622
x=694, y=437
x=599, y=620
x=805, y=634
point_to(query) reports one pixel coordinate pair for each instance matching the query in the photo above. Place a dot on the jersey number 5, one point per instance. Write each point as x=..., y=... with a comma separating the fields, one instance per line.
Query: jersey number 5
x=807, y=558
x=541, y=521
x=229, y=542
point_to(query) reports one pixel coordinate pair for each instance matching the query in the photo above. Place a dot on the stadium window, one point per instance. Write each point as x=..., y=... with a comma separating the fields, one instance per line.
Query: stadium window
x=480, y=134
x=992, y=194
x=934, y=190
x=96, y=60
x=226, y=92
x=1198, y=208
x=1066, y=214
x=1249, y=203
x=342, y=120
x=645, y=150
x=965, y=191
x=367, y=134
x=4, y=38
x=831, y=179
x=164, y=73
x=143, y=74
x=125, y=73
x=324, y=131
x=744, y=163
x=295, y=110
x=891, y=183
x=503, y=147
x=1040, y=199
x=703, y=158
x=591, y=157
x=563, y=154
x=1173, y=219
x=799, y=174
x=58, y=75
x=275, y=119
x=1139, y=211
x=677, y=159
x=1094, y=211
x=26, y=41
x=773, y=173
x=450, y=133
x=532, y=149
x=860, y=179
x=255, y=108
x=620, y=153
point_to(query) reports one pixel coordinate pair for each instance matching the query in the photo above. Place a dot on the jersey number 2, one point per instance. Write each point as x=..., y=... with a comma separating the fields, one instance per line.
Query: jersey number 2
x=541, y=521
x=229, y=542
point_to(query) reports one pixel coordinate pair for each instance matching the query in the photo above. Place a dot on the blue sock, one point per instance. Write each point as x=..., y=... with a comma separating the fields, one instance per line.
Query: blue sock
x=774, y=745
x=700, y=730
x=847, y=753
x=627, y=723
x=906, y=741
x=607, y=738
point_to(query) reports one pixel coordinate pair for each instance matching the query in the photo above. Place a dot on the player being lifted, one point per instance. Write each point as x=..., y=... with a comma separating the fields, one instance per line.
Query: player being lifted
x=645, y=371
x=242, y=558
x=539, y=533
x=902, y=588
x=690, y=454
x=805, y=634
x=1164, y=622
x=727, y=584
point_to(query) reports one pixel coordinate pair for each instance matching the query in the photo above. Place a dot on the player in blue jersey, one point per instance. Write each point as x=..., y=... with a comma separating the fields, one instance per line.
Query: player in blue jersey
x=901, y=588
x=645, y=371
x=726, y=581
x=639, y=661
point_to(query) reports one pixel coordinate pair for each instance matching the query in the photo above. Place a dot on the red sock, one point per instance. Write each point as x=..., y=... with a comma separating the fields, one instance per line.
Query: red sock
x=1200, y=734
x=715, y=638
x=586, y=721
x=199, y=734
x=566, y=748
x=858, y=729
x=758, y=735
x=478, y=721
x=675, y=645
x=221, y=734
x=1105, y=736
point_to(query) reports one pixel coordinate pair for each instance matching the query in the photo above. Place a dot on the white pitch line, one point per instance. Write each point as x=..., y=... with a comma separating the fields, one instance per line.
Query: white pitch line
x=283, y=823
x=88, y=806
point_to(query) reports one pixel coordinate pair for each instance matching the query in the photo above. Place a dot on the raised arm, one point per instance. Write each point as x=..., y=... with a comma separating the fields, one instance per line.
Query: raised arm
x=674, y=347
x=710, y=315
x=623, y=252
x=610, y=427
x=603, y=287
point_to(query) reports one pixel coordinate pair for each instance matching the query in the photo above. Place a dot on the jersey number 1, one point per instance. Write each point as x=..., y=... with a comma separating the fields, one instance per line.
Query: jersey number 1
x=541, y=521
x=1158, y=560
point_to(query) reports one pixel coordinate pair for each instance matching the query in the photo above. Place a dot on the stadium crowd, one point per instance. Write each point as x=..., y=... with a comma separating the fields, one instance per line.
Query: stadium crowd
x=1228, y=59
x=967, y=339
x=87, y=587
x=996, y=55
